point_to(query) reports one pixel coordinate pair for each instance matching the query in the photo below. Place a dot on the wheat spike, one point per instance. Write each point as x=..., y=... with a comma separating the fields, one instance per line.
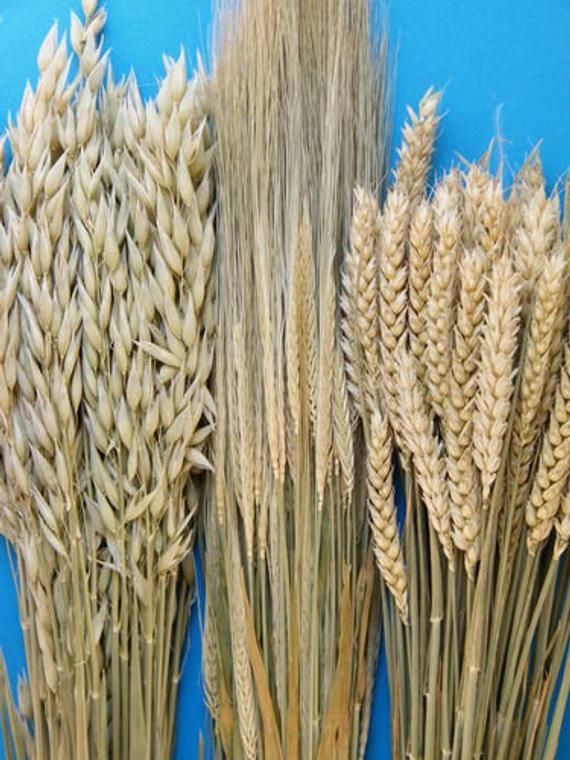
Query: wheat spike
x=544, y=319
x=467, y=337
x=441, y=300
x=415, y=153
x=393, y=301
x=553, y=465
x=458, y=405
x=536, y=235
x=360, y=300
x=382, y=512
x=420, y=252
x=562, y=525
x=474, y=183
x=556, y=354
x=495, y=375
x=427, y=457
x=490, y=226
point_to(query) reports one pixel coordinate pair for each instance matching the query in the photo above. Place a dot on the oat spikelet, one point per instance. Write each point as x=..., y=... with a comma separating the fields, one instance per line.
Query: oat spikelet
x=415, y=153
x=419, y=267
x=495, y=375
x=441, y=300
x=393, y=301
x=427, y=457
x=553, y=465
x=382, y=512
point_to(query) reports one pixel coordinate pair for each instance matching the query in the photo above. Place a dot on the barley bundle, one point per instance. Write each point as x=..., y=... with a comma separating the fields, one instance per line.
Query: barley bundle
x=106, y=331
x=291, y=628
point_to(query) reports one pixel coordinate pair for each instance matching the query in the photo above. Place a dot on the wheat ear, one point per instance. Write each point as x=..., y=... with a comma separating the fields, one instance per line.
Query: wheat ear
x=427, y=456
x=535, y=236
x=553, y=465
x=441, y=300
x=546, y=315
x=474, y=183
x=420, y=251
x=415, y=153
x=563, y=524
x=393, y=301
x=490, y=228
x=382, y=512
x=360, y=303
x=463, y=477
x=495, y=375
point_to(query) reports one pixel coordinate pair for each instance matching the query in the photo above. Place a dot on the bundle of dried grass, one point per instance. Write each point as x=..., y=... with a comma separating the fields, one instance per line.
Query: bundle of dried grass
x=106, y=332
x=351, y=327
x=291, y=629
x=474, y=358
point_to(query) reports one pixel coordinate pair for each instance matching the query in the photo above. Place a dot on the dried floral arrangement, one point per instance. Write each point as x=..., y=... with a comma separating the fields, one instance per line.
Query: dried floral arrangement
x=374, y=340
x=106, y=327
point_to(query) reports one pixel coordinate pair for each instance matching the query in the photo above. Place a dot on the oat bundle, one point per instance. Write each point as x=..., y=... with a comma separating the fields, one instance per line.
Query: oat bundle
x=473, y=354
x=107, y=322
x=292, y=617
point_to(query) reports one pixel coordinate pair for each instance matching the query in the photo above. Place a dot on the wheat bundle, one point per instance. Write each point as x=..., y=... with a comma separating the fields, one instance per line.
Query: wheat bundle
x=474, y=360
x=106, y=346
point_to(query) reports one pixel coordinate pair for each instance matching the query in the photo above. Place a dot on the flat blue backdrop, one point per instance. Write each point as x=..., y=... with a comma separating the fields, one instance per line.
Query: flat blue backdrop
x=504, y=67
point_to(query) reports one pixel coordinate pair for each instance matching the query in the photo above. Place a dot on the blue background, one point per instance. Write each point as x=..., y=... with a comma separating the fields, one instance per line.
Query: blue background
x=505, y=69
